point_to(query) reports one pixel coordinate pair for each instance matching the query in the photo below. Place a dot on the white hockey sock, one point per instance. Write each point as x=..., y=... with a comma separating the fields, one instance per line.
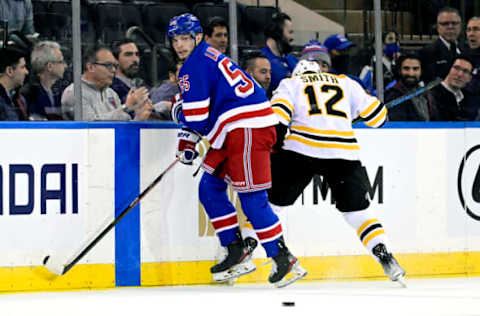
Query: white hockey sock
x=369, y=229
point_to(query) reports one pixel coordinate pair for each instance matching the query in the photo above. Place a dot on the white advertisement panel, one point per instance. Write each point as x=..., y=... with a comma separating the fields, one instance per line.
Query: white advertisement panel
x=49, y=180
x=413, y=178
x=169, y=214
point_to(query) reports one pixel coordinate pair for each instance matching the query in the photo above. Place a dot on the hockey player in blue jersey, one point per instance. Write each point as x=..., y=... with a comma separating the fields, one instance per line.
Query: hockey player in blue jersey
x=224, y=104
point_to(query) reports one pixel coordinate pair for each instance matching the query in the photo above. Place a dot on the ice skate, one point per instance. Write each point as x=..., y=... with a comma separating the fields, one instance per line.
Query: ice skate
x=286, y=269
x=251, y=244
x=390, y=266
x=238, y=262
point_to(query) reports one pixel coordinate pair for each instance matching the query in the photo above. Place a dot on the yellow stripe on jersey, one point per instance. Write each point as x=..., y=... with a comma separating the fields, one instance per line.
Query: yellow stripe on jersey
x=280, y=112
x=322, y=132
x=284, y=102
x=321, y=144
x=378, y=119
x=371, y=108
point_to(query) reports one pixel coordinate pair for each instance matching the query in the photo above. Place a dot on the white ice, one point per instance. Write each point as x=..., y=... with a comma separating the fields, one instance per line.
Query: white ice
x=452, y=297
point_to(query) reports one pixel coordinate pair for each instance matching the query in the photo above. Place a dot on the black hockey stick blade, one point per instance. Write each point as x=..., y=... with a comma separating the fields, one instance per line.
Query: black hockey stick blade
x=56, y=267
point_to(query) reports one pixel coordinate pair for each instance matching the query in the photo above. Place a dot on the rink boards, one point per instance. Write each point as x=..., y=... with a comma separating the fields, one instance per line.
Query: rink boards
x=61, y=183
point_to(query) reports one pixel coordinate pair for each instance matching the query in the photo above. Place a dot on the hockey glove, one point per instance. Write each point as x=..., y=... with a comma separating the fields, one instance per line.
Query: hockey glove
x=187, y=139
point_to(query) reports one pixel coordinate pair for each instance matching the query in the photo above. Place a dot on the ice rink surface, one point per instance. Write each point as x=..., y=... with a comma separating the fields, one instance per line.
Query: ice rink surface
x=455, y=296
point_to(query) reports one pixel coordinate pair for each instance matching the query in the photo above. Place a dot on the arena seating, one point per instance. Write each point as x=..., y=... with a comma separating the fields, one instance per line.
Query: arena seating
x=108, y=20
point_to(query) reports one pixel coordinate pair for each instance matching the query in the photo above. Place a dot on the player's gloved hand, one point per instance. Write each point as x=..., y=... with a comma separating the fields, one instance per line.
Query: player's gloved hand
x=187, y=139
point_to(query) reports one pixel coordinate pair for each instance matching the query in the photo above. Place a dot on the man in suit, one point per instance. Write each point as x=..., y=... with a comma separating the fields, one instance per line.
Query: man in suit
x=438, y=57
x=448, y=96
x=472, y=89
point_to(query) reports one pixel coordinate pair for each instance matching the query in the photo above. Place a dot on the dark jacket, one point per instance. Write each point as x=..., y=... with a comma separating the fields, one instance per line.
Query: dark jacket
x=472, y=89
x=8, y=110
x=120, y=88
x=39, y=104
x=437, y=60
x=447, y=108
x=419, y=108
x=4, y=102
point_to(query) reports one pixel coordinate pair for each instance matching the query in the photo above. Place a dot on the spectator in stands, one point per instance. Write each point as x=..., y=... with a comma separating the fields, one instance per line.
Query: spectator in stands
x=448, y=96
x=128, y=57
x=472, y=89
x=438, y=57
x=391, y=52
x=216, y=34
x=48, y=66
x=13, y=71
x=339, y=50
x=279, y=35
x=314, y=51
x=257, y=65
x=419, y=108
x=162, y=95
x=19, y=14
x=99, y=101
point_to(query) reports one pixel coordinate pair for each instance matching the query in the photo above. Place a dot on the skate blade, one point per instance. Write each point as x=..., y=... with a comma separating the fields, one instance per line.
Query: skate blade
x=235, y=272
x=297, y=273
x=229, y=282
x=401, y=281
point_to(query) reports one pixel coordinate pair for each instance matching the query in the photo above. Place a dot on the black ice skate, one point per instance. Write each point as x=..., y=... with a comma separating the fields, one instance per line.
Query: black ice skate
x=286, y=268
x=390, y=266
x=238, y=262
x=251, y=243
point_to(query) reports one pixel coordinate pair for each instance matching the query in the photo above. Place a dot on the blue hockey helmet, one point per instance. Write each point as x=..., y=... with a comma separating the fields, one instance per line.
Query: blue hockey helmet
x=186, y=23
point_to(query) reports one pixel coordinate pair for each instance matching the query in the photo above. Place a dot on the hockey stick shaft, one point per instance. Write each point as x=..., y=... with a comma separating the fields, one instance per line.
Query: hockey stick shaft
x=408, y=96
x=413, y=94
x=134, y=203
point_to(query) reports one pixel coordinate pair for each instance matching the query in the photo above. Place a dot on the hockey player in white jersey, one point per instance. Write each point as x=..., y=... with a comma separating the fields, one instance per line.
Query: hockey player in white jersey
x=315, y=135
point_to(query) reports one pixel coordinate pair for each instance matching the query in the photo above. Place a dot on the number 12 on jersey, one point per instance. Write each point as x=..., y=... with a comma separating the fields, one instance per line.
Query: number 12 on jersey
x=329, y=105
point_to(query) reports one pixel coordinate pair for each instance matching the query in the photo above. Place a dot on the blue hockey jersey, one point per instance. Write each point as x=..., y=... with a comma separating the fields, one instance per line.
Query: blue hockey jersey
x=219, y=97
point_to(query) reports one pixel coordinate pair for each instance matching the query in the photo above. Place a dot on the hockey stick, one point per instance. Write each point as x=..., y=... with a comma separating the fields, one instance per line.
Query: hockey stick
x=409, y=96
x=60, y=269
x=413, y=94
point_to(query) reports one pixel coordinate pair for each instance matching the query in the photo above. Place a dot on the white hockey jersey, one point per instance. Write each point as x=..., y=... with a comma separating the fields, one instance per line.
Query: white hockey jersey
x=319, y=109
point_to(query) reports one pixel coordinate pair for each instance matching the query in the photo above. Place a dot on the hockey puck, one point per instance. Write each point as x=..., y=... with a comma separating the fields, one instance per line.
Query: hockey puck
x=288, y=303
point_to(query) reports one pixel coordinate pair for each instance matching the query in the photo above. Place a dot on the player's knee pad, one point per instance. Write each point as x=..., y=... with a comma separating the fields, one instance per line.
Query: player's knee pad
x=211, y=186
x=257, y=209
x=355, y=199
x=282, y=199
x=253, y=200
x=356, y=203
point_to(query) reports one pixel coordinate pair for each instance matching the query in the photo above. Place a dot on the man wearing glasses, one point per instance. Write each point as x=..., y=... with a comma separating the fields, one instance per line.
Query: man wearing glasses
x=48, y=67
x=99, y=101
x=438, y=57
x=448, y=97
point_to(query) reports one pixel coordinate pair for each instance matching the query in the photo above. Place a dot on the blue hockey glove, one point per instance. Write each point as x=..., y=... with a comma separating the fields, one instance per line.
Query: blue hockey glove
x=187, y=139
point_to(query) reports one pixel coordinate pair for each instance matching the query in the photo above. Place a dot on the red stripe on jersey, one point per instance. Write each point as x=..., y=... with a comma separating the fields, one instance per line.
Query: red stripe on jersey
x=240, y=116
x=277, y=229
x=225, y=222
x=195, y=111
